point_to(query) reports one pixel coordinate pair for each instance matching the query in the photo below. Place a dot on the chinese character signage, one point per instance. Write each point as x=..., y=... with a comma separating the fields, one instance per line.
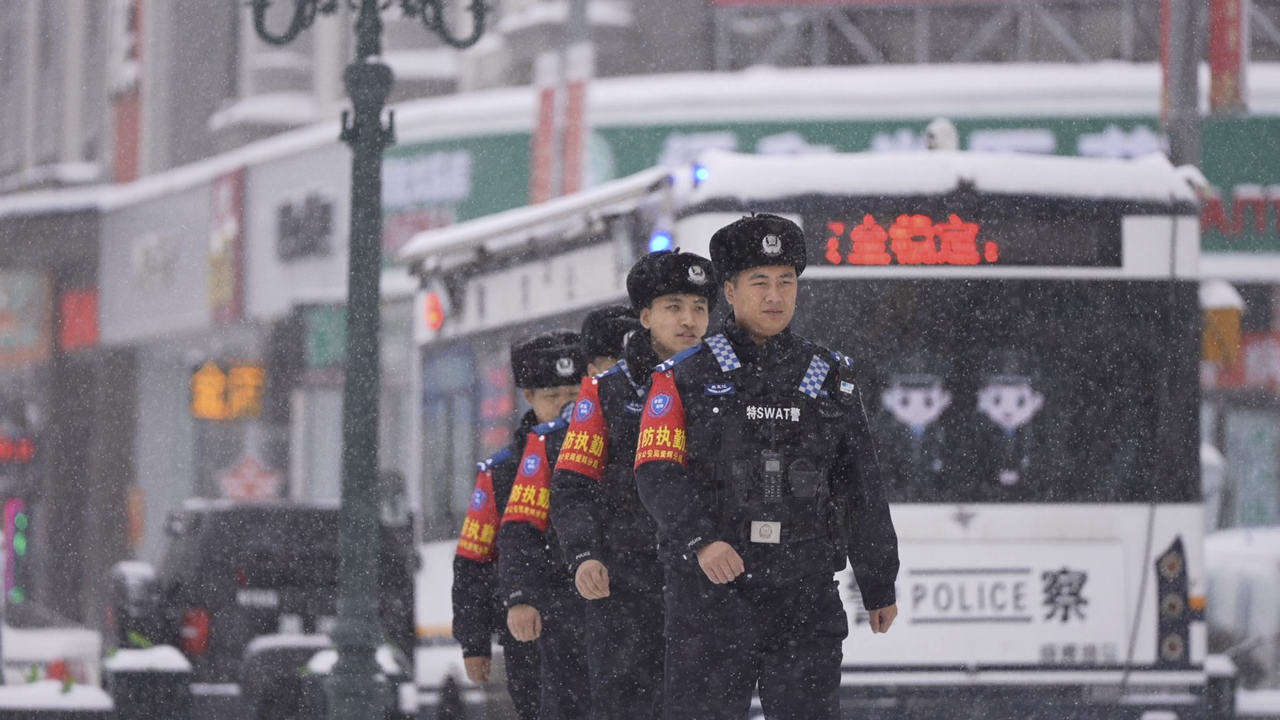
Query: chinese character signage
x=25, y=335
x=304, y=228
x=226, y=248
x=232, y=392
x=1024, y=603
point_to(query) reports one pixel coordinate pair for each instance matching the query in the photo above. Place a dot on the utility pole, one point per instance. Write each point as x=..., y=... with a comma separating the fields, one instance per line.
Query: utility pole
x=355, y=693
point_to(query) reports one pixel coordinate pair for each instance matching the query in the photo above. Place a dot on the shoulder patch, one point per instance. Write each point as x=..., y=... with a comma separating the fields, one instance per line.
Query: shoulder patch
x=497, y=458
x=677, y=359
x=722, y=349
x=552, y=425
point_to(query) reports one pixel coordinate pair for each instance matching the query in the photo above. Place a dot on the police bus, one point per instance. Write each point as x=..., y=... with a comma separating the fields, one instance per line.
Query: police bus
x=1026, y=334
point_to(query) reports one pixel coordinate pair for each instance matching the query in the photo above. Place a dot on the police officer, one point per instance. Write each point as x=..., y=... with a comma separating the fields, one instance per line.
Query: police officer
x=755, y=460
x=535, y=586
x=604, y=330
x=477, y=607
x=608, y=538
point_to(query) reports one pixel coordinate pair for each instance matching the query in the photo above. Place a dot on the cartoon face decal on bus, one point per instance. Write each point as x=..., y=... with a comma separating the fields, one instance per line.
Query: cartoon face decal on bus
x=913, y=400
x=1007, y=404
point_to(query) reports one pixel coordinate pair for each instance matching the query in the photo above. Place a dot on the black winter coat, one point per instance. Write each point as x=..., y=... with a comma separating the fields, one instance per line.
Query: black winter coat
x=477, y=607
x=594, y=503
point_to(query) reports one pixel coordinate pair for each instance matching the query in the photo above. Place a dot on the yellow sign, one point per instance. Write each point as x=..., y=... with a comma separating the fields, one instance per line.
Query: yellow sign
x=234, y=394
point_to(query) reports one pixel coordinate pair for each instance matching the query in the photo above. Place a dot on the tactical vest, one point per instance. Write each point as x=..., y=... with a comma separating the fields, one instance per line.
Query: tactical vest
x=779, y=438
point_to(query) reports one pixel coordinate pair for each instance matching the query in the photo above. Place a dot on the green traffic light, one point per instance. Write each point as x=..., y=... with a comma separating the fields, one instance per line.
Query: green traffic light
x=20, y=544
x=17, y=595
x=20, y=521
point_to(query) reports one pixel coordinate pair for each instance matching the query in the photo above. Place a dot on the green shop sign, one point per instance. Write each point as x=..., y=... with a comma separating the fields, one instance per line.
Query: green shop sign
x=439, y=183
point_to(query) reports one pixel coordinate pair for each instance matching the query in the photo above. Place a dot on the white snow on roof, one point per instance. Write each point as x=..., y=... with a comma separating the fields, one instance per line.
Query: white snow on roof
x=443, y=63
x=757, y=94
x=161, y=658
x=135, y=572
x=44, y=645
x=286, y=640
x=322, y=662
x=49, y=695
x=558, y=217
x=766, y=177
x=556, y=12
x=1219, y=295
x=289, y=109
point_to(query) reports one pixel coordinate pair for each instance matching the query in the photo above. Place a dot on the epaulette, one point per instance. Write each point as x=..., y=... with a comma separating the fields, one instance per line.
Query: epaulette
x=497, y=458
x=551, y=426
x=677, y=359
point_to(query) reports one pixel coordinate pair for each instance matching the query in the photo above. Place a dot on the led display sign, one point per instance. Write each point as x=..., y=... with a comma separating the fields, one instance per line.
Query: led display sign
x=16, y=450
x=234, y=393
x=957, y=239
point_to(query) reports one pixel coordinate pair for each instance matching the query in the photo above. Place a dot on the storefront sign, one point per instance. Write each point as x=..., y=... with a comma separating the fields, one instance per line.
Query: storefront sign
x=78, y=319
x=304, y=227
x=230, y=393
x=325, y=332
x=24, y=318
x=226, y=248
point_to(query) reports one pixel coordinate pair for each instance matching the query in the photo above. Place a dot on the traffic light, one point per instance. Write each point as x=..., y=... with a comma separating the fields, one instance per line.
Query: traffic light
x=16, y=527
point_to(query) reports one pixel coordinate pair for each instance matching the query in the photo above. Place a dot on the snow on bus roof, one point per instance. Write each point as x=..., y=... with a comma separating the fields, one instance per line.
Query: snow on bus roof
x=757, y=178
x=560, y=217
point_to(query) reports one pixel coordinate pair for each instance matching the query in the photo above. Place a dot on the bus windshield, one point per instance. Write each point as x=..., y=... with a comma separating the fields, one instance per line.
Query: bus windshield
x=1019, y=390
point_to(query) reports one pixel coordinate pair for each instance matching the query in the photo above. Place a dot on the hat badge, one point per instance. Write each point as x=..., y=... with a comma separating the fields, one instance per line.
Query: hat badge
x=771, y=245
x=564, y=367
x=697, y=275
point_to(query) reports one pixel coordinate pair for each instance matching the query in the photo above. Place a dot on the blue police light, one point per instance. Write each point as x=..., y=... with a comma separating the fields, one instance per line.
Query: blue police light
x=700, y=174
x=659, y=241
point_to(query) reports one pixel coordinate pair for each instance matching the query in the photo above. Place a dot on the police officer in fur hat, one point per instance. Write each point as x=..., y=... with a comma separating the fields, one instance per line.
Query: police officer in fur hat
x=755, y=460
x=547, y=368
x=609, y=539
x=534, y=584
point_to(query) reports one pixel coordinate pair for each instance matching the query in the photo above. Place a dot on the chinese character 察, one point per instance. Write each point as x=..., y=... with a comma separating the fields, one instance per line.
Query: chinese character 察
x=1062, y=593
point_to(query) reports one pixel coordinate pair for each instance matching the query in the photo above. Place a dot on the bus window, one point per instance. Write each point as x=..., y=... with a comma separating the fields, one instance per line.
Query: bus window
x=448, y=442
x=1021, y=391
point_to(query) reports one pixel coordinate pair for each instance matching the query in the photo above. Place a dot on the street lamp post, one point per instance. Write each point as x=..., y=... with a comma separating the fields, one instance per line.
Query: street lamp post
x=354, y=691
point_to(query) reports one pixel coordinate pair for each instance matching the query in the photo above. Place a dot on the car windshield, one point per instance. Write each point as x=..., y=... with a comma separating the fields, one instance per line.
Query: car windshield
x=1021, y=391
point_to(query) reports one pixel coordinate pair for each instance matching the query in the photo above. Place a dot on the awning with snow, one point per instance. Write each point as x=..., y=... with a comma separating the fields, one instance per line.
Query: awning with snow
x=562, y=217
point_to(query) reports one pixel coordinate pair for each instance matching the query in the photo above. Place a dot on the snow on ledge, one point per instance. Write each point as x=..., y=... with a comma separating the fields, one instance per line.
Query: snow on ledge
x=322, y=662
x=161, y=658
x=49, y=695
x=1258, y=703
x=433, y=64
x=282, y=108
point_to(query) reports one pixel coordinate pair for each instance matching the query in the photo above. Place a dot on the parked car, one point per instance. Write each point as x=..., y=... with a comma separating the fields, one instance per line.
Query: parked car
x=233, y=572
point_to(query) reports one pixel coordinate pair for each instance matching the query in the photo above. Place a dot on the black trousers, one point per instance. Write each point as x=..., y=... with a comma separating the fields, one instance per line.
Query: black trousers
x=724, y=641
x=562, y=647
x=523, y=676
x=625, y=644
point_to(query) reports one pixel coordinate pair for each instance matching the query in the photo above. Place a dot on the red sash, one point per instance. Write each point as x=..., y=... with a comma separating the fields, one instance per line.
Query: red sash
x=478, y=540
x=662, y=428
x=586, y=446
x=530, y=499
